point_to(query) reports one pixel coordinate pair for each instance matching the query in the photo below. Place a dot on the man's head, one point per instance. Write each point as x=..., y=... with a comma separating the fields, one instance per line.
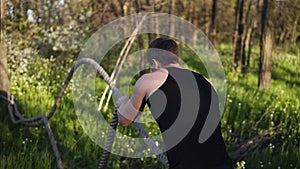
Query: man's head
x=163, y=50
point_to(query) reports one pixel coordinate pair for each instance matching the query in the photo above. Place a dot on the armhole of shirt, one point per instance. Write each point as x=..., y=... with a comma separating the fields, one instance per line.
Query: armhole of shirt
x=155, y=89
x=213, y=87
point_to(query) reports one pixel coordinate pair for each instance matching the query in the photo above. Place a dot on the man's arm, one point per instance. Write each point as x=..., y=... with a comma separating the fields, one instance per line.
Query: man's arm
x=129, y=108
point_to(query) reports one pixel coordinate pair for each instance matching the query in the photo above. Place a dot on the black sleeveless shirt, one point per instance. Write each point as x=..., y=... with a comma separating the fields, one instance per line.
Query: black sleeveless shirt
x=180, y=106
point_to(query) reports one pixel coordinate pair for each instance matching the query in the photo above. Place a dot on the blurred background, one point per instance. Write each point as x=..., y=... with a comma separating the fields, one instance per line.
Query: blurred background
x=258, y=42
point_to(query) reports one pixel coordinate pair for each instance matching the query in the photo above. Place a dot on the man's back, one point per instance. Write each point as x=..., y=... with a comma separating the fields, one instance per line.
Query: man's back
x=180, y=101
x=180, y=106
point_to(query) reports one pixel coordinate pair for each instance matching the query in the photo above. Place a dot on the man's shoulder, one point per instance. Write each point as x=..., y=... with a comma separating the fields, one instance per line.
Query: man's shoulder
x=198, y=75
x=151, y=80
x=203, y=80
x=144, y=80
x=151, y=76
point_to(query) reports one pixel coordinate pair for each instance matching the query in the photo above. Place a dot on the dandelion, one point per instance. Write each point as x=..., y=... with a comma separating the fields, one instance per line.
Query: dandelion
x=241, y=165
x=156, y=143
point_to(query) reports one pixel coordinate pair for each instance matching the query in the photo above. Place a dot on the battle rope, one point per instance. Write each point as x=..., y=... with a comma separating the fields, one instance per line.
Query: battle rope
x=43, y=119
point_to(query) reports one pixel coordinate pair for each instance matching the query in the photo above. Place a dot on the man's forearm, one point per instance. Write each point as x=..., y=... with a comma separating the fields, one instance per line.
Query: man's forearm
x=127, y=113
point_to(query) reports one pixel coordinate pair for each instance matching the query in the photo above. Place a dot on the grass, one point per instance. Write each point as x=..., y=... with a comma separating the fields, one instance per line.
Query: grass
x=26, y=157
x=249, y=110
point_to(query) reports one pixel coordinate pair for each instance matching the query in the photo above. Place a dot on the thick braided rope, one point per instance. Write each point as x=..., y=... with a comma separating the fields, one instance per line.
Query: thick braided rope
x=43, y=119
x=151, y=144
x=111, y=133
x=109, y=141
x=13, y=111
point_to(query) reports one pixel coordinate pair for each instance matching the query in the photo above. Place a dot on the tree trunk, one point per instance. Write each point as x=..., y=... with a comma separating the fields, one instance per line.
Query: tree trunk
x=235, y=38
x=188, y=11
x=282, y=35
x=4, y=79
x=171, y=20
x=249, y=43
x=213, y=30
x=294, y=30
x=266, y=42
x=194, y=19
x=156, y=9
x=238, y=36
x=207, y=18
x=247, y=38
x=140, y=42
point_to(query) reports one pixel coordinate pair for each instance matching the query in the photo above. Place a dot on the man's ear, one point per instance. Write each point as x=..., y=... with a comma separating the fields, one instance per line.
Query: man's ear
x=155, y=64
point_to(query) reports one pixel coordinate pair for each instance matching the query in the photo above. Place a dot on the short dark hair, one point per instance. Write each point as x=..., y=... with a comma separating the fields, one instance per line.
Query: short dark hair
x=164, y=50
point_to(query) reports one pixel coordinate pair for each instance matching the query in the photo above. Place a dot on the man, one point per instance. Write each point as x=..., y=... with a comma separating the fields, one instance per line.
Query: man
x=180, y=101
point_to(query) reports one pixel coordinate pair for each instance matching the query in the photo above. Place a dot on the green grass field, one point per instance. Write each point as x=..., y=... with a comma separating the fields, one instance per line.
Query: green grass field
x=249, y=110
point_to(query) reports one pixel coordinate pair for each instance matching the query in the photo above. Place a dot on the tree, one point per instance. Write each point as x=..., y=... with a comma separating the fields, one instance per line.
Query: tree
x=4, y=79
x=140, y=40
x=237, y=52
x=250, y=27
x=266, y=44
x=213, y=30
x=206, y=17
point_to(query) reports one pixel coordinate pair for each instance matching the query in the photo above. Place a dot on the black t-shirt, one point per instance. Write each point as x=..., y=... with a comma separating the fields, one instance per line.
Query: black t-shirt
x=180, y=106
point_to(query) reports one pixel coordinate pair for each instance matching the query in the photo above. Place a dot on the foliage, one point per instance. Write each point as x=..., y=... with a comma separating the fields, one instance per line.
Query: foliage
x=59, y=40
x=41, y=51
x=250, y=110
x=35, y=81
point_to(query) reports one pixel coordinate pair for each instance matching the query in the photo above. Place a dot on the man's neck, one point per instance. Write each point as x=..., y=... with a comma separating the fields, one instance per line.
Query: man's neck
x=173, y=65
